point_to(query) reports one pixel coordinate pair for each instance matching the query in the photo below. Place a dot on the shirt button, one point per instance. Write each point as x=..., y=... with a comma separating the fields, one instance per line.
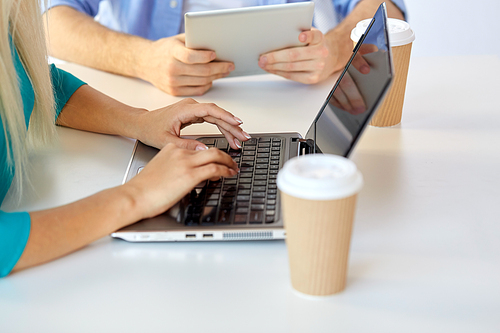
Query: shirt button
x=173, y=4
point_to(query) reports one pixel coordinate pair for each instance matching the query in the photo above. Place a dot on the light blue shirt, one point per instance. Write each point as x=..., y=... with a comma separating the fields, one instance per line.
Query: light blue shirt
x=15, y=227
x=155, y=19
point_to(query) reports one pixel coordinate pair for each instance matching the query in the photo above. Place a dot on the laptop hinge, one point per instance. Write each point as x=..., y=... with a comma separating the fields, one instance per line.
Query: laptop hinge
x=305, y=146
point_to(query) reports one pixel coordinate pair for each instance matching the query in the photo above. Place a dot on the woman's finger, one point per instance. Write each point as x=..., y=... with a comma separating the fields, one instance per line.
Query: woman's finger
x=213, y=155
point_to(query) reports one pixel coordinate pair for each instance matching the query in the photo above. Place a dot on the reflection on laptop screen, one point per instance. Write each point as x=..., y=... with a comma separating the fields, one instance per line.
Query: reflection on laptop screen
x=356, y=94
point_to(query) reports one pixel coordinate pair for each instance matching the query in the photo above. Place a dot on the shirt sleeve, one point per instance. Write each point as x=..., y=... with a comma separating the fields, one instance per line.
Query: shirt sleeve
x=65, y=85
x=15, y=227
x=14, y=234
x=89, y=7
x=345, y=7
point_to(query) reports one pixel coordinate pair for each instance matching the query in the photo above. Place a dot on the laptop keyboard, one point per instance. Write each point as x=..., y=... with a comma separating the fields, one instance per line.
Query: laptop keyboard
x=250, y=197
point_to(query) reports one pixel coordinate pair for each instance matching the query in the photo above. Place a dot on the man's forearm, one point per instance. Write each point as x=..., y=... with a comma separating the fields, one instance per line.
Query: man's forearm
x=339, y=39
x=366, y=9
x=76, y=37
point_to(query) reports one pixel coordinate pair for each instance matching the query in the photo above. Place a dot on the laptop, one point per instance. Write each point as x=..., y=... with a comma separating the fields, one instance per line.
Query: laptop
x=241, y=35
x=247, y=206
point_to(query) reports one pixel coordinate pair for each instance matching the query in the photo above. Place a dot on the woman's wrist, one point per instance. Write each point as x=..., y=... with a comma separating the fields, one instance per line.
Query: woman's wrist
x=134, y=127
x=126, y=203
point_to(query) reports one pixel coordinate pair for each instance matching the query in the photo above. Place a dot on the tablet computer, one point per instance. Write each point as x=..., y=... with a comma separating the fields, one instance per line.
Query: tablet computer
x=241, y=35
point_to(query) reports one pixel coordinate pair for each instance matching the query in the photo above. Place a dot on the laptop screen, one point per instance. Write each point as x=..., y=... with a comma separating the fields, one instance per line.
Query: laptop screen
x=356, y=94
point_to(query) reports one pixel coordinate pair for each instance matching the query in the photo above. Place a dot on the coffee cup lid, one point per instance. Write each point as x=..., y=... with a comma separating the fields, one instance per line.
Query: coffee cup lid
x=320, y=177
x=400, y=32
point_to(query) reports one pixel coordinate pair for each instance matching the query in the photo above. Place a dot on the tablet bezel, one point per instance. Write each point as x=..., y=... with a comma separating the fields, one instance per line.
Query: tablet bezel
x=241, y=35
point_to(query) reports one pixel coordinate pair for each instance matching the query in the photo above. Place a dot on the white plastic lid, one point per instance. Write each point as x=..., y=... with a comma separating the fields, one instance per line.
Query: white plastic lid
x=320, y=177
x=400, y=32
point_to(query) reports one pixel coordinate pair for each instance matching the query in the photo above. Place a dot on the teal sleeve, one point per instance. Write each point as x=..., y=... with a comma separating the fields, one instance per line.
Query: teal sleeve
x=14, y=233
x=15, y=227
x=65, y=85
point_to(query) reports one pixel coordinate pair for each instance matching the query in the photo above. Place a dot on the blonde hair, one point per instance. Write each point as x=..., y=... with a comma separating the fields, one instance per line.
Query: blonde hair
x=22, y=20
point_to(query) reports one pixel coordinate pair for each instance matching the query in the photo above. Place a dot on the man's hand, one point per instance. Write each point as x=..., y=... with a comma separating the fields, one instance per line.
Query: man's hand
x=308, y=64
x=347, y=96
x=180, y=71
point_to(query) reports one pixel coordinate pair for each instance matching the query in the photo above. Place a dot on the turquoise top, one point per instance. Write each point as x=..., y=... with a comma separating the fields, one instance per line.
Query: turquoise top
x=15, y=227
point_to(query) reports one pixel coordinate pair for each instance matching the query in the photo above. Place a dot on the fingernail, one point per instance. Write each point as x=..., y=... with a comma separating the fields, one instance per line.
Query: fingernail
x=302, y=37
x=246, y=135
x=212, y=56
x=262, y=61
x=231, y=68
x=201, y=147
x=237, y=143
x=359, y=109
x=238, y=120
x=364, y=69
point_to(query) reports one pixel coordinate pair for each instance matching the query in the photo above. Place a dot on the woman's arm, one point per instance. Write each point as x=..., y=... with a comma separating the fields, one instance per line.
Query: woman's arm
x=163, y=182
x=89, y=110
x=170, y=175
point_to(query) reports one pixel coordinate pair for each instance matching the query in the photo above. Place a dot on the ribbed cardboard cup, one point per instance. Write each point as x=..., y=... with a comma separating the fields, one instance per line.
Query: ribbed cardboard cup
x=401, y=38
x=318, y=200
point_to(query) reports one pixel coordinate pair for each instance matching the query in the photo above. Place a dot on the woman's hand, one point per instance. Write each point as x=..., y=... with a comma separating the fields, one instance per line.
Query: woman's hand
x=160, y=127
x=171, y=174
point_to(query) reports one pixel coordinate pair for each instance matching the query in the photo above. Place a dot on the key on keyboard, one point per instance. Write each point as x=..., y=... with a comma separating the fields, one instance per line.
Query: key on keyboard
x=247, y=198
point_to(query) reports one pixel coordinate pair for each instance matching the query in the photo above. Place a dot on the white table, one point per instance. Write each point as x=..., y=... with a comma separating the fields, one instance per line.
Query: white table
x=425, y=253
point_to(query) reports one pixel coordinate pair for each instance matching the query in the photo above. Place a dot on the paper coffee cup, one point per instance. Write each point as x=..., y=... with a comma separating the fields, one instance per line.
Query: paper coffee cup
x=318, y=199
x=401, y=38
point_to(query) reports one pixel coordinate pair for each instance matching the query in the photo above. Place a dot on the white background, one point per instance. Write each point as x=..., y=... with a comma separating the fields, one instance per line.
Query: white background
x=454, y=27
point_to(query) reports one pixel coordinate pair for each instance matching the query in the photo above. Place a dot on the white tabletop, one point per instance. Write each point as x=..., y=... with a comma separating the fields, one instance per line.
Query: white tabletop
x=425, y=252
